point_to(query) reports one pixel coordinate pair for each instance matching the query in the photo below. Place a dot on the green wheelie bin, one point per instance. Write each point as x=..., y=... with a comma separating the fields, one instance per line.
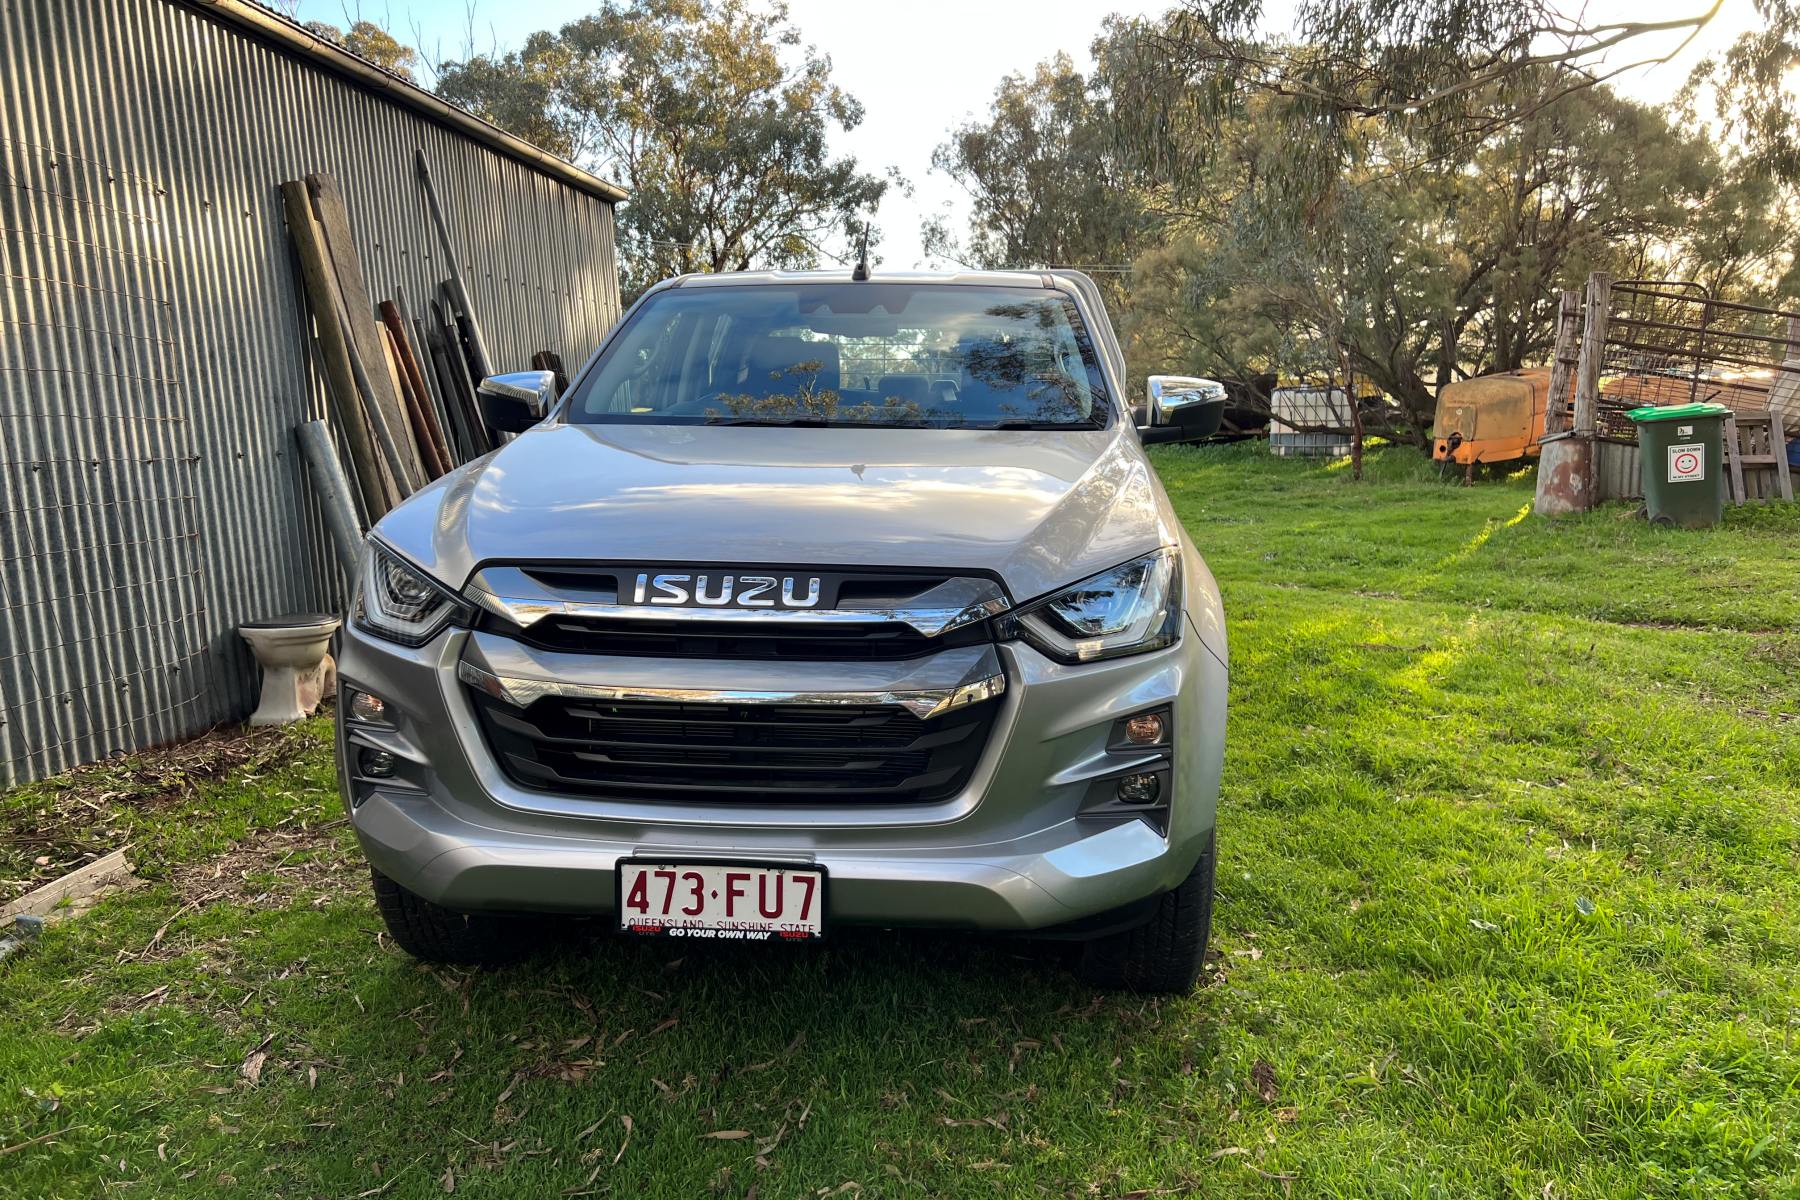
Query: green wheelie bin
x=1681, y=461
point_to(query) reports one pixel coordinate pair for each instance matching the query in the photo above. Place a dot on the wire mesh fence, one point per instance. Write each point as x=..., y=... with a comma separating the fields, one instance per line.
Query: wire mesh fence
x=1670, y=342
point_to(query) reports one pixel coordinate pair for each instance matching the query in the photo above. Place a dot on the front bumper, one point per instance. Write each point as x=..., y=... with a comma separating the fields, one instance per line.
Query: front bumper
x=1009, y=852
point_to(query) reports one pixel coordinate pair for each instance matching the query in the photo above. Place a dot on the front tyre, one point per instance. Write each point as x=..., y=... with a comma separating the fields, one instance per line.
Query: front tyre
x=432, y=933
x=1165, y=953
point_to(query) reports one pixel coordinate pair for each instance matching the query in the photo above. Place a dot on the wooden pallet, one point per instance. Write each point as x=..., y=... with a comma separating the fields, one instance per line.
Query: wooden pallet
x=1756, y=463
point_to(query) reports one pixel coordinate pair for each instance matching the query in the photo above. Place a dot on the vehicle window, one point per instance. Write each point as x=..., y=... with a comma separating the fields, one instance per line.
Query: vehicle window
x=850, y=354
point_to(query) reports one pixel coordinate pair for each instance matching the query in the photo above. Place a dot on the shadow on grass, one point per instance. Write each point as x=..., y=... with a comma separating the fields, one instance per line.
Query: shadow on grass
x=878, y=1010
x=866, y=969
x=949, y=1041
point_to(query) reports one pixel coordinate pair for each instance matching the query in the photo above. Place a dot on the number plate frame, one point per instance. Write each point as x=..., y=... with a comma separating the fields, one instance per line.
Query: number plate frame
x=623, y=869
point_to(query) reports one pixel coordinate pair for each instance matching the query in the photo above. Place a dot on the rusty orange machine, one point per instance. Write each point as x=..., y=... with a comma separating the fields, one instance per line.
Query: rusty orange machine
x=1498, y=418
x=1493, y=418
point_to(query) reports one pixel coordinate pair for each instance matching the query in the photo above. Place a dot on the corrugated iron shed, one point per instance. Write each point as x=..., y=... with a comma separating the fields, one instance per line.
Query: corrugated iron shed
x=152, y=358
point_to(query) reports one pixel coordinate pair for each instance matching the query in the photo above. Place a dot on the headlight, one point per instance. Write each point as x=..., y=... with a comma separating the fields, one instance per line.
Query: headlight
x=1132, y=608
x=397, y=601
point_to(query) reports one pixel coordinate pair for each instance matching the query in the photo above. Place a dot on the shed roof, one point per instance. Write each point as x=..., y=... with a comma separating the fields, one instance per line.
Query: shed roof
x=296, y=38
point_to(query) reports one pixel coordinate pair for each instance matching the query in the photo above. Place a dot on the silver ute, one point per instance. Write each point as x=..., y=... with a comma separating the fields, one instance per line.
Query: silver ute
x=814, y=601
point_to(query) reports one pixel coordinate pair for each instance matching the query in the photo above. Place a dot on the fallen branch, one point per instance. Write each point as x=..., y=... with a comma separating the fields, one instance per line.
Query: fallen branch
x=40, y=1138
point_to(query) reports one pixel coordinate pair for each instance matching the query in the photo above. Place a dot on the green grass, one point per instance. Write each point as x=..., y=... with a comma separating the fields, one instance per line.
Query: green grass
x=1509, y=906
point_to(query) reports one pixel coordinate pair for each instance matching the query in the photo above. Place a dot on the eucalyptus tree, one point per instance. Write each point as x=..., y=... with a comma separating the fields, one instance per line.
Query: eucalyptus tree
x=711, y=113
x=1047, y=181
x=371, y=41
x=1446, y=73
x=1412, y=268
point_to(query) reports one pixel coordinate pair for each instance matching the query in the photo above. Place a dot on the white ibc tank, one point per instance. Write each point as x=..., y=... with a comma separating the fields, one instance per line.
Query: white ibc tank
x=1309, y=406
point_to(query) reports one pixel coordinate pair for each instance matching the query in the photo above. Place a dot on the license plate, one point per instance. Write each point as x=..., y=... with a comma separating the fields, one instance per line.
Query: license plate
x=719, y=901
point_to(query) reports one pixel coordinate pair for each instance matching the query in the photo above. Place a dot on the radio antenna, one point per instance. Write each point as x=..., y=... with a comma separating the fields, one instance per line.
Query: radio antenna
x=861, y=273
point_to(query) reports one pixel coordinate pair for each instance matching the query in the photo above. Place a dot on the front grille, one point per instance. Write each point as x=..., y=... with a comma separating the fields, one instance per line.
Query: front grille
x=782, y=641
x=753, y=754
x=772, y=636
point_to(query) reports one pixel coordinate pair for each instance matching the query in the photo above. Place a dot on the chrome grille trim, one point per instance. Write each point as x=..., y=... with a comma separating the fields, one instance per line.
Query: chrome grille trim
x=923, y=703
x=511, y=592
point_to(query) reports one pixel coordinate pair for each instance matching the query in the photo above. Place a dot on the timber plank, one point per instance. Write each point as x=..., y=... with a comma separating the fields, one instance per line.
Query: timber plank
x=364, y=326
x=1734, y=459
x=83, y=881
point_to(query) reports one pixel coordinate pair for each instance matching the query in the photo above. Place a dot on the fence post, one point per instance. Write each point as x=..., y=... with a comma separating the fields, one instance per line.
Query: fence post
x=1784, y=397
x=1562, y=367
x=1565, y=481
x=1593, y=353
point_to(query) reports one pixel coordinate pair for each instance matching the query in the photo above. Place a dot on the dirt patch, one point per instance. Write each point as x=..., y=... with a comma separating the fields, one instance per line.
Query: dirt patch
x=1782, y=648
x=54, y=826
x=169, y=773
x=273, y=865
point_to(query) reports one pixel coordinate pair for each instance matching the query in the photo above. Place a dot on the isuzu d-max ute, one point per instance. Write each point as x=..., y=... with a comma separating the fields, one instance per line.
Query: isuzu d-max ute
x=814, y=600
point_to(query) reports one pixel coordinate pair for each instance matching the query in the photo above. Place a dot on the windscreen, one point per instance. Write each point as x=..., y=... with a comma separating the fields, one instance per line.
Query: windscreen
x=850, y=354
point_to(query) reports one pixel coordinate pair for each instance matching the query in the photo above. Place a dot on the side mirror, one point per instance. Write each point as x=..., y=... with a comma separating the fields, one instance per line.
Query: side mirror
x=514, y=402
x=1181, y=408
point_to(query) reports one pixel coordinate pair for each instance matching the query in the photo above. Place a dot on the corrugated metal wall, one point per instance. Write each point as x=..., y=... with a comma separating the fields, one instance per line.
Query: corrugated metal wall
x=152, y=361
x=1616, y=470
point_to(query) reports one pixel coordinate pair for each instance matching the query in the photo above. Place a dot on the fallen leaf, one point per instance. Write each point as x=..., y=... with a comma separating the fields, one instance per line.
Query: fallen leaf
x=625, y=1120
x=252, y=1066
x=580, y=1189
x=448, y=1182
x=768, y=1144
x=727, y=1135
x=1262, y=1077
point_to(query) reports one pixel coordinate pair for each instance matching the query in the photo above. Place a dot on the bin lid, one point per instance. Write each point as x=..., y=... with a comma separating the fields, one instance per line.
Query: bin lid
x=1677, y=412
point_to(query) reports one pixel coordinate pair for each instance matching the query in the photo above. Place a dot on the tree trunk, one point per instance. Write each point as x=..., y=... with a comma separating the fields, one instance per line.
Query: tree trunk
x=1446, y=370
x=1356, y=424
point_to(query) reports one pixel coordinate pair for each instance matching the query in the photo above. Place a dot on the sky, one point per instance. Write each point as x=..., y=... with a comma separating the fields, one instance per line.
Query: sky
x=920, y=67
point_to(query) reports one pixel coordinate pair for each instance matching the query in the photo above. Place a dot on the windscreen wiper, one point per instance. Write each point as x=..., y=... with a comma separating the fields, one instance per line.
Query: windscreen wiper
x=789, y=422
x=1047, y=426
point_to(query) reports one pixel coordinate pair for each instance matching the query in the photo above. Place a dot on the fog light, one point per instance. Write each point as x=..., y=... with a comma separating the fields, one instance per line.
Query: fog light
x=365, y=707
x=379, y=764
x=1145, y=729
x=1139, y=789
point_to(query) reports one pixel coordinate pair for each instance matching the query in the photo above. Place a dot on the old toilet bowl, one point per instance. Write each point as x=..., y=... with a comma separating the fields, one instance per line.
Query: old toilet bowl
x=297, y=671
